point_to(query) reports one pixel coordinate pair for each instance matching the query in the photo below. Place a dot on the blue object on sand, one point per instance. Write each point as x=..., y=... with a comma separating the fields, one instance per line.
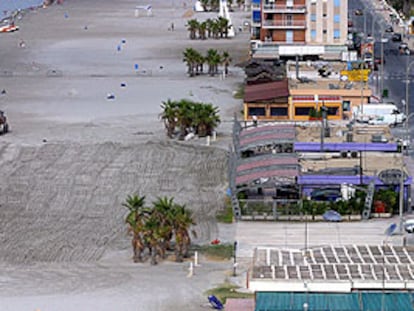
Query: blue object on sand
x=136, y=66
x=215, y=303
x=391, y=229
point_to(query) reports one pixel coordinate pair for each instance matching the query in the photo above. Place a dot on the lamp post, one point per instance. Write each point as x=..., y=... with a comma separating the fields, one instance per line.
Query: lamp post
x=407, y=104
x=234, y=258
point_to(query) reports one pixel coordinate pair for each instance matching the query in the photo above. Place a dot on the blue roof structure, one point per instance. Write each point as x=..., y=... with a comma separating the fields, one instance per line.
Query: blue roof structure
x=357, y=301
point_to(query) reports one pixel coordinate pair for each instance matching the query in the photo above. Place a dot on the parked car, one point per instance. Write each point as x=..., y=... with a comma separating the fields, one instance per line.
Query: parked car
x=359, y=12
x=404, y=49
x=409, y=226
x=396, y=37
x=389, y=29
x=368, y=58
x=378, y=60
x=350, y=23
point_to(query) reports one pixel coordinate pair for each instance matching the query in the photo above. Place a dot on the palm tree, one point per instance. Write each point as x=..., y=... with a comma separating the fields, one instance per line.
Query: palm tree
x=202, y=27
x=190, y=56
x=204, y=4
x=209, y=22
x=185, y=116
x=207, y=119
x=169, y=116
x=215, y=29
x=199, y=61
x=152, y=237
x=214, y=4
x=226, y=59
x=192, y=26
x=223, y=26
x=182, y=221
x=136, y=219
x=163, y=210
x=213, y=58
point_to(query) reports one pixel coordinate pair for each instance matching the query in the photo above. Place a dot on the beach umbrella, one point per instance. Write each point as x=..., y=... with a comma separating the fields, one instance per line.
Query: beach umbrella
x=332, y=215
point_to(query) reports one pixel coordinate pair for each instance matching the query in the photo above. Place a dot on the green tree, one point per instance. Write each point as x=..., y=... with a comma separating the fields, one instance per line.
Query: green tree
x=190, y=57
x=163, y=209
x=182, y=220
x=226, y=60
x=213, y=59
x=185, y=117
x=206, y=119
x=209, y=23
x=136, y=219
x=169, y=116
x=224, y=26
x=192, y=27
x=202, y=28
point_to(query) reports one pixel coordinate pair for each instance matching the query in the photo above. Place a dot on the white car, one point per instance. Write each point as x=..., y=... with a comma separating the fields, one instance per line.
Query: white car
x=409, y=226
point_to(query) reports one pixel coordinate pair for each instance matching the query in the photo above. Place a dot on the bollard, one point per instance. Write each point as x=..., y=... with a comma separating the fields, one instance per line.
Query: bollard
x=214, y=135
x=196, y=259
x=208, y=141
x=190, y=270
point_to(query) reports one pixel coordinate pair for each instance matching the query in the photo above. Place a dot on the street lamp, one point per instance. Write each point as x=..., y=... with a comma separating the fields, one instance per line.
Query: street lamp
x=407, y=103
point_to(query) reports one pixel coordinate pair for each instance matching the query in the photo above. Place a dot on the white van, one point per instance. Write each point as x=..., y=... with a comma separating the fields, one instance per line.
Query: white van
x=383, y=113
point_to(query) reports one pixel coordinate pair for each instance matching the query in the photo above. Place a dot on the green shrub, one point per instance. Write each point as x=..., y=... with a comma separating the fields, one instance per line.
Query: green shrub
x=219, y=251
x=227, y=290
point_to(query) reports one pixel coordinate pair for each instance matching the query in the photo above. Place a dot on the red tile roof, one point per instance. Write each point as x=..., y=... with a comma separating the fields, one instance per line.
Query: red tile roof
x=266, y=91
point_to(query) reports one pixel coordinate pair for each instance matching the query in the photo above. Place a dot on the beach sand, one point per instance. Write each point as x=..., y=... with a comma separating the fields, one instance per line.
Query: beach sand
x=73, y=156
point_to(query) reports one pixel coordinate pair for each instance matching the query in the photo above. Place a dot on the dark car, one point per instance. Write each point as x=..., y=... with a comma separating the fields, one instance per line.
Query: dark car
x=378, y=60
x=397, y=37
x=389, y=29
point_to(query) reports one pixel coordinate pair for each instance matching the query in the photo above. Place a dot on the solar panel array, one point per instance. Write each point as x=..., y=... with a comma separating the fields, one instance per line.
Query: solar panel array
x=355, y=262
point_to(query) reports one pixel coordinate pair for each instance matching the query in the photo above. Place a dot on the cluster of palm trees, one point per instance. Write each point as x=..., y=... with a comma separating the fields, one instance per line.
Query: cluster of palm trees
x=210, y=28
x=189, y=117
x=195, y=61
x=154, y=228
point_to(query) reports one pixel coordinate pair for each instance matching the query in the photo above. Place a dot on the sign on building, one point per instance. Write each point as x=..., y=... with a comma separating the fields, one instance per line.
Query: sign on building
x=356, y=75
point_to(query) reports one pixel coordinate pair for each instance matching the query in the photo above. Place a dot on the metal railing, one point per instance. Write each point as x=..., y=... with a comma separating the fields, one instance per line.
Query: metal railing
x=299, y=8
x=284, y=24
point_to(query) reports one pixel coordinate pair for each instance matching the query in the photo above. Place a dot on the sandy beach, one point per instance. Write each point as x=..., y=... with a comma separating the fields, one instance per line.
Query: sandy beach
x=73, y=156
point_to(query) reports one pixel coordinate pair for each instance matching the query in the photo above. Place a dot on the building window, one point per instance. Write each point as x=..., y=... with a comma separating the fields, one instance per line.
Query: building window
x=279, y=111
x=325, y=31
x=289, y=36
x=333, y=111
x=303, y=111
x=313, y=34
x=324, y=15
x=337, y=34
x=337, y=18
x=313, y=17
x=257, y=111
x=346, y=105
x=289, y=20
x=337, y=3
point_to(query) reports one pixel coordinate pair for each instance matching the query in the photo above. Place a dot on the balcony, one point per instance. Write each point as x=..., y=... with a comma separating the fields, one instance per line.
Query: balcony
x=283, y=24
x=283, y=8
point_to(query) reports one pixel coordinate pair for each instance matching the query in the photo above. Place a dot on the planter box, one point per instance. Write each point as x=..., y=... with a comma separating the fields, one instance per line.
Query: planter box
x=381, y=215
